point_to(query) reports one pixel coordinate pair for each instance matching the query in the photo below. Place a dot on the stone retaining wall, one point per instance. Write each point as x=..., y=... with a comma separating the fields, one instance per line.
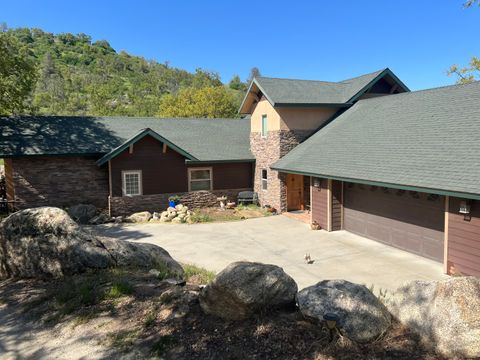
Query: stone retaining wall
x=125, y=205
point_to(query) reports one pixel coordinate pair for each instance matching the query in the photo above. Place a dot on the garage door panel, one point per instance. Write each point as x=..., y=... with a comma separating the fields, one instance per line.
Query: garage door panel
x=407, y=220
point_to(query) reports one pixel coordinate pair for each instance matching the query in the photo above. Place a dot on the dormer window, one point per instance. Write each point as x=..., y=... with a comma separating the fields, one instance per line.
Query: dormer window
x=264, y=126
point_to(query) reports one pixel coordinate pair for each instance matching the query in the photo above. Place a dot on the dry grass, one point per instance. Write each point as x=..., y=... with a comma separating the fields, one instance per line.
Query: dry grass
x=216, y=214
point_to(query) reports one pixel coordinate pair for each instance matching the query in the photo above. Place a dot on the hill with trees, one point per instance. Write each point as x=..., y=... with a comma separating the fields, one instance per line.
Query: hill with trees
x=67, y=74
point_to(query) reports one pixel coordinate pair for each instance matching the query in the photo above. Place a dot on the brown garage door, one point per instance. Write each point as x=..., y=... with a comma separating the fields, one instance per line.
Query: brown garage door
x=407, y=220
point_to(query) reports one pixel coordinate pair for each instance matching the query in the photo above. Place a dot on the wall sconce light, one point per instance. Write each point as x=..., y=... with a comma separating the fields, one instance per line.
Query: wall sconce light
x=316, y=182
x=465, y=207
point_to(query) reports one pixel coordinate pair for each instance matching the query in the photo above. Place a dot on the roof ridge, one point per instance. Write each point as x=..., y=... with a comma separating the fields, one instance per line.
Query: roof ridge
x=290, y=79
x=423, y=90
x=356, y=77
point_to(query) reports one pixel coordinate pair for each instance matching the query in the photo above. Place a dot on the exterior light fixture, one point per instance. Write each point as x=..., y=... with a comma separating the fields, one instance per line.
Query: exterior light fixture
x=464, y=207
x=316, y=182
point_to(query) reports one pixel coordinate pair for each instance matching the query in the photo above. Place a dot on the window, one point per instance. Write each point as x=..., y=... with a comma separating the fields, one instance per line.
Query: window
x=132, y=182
x=200, y=179
x=264, y=179
x=264, y=126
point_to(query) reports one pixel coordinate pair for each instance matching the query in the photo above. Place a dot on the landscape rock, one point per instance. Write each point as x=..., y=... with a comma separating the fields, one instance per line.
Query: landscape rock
x=156, y=216
x=100, y=219
x=118, y=219
x=82, y=213
x=445, y=314
x=245, y=288
x=143, y=216
x=45, y=242
x=362, y=316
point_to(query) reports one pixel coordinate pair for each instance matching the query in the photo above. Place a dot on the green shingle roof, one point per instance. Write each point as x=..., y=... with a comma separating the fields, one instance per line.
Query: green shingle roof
x=204, y=139
x=426, y=139
x=289, y=91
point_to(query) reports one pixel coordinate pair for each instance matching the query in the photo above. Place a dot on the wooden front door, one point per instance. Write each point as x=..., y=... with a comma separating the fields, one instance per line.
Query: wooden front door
x=294, y=192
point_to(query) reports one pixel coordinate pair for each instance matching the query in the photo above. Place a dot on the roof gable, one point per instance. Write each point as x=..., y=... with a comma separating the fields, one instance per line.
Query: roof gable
x=146, y=132
x=307, y=93
x=425, y=139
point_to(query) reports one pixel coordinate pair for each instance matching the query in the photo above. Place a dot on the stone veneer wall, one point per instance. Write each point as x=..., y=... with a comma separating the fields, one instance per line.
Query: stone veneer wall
x=267, y=151
x=58, y=181
x=125, y=205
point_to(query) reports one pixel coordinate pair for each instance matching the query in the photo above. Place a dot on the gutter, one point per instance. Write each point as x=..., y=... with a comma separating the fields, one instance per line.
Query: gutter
x=384, y=184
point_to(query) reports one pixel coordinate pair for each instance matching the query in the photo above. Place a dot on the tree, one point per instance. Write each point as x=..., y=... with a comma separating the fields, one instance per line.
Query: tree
x=470, y=73
x=237, y=84
x=254, y=72
x=17, y=75
x=207, y=102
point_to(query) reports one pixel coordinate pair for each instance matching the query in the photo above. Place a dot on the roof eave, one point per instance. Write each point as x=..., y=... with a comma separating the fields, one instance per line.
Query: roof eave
x=387, y=71
x=249, y=92
x=312, y=105
x=384, y=184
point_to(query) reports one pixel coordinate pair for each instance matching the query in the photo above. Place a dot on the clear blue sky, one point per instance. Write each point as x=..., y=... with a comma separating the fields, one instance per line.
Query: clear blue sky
x=324, y=40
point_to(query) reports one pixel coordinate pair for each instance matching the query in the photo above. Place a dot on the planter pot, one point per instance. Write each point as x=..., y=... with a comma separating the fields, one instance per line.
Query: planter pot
x=315, y=226
x=172, y=204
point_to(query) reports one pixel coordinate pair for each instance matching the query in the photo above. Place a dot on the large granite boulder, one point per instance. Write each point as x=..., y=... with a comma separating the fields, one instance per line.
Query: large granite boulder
x=245, y=288
x=143, y=216
x=362, y=316
x=82, y=213
x=446, y=314
x=45, y=242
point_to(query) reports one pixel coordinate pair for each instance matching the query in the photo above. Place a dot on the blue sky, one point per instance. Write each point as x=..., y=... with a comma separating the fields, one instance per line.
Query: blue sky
x=324, y=40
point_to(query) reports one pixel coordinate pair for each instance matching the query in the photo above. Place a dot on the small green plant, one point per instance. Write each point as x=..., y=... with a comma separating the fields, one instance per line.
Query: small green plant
x=196, y=274
x=150, y=320
x=200, y=217
x=123, y=340
x=174, y=198
x=163, y=344
x=119, y=289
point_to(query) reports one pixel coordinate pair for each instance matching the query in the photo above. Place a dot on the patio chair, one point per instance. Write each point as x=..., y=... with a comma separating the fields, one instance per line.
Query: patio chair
x=249, y=197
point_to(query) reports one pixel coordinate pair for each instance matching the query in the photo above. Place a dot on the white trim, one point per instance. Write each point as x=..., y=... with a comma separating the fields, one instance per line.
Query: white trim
x=262, y=133
x=329, y=205
x=262, y=179
x=140, y=186
x=190, y=169
x=445, y=240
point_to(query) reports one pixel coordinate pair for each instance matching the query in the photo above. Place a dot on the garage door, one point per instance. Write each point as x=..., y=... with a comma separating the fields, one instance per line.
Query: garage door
x=408, y=220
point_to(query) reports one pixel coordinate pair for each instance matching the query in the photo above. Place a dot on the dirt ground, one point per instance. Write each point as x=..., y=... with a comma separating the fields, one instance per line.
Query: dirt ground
x=133, y=315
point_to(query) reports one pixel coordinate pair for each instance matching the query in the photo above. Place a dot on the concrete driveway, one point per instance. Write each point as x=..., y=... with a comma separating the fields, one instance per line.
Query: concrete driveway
x=283, y=241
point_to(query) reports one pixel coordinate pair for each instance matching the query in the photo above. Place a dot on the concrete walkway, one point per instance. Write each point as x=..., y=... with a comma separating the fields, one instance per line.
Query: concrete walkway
x=283, y=241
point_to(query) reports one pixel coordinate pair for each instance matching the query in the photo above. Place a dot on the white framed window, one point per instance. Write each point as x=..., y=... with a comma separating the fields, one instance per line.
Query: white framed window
x=200, y=179
x=264, y=179
x=132, y=182
x=264, y=126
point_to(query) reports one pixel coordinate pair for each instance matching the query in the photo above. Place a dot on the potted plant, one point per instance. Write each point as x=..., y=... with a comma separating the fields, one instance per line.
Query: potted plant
x=173, y=200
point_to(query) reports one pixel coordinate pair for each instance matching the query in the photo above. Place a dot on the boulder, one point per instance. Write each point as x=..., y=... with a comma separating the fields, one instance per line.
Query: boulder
x=118, y=219
x=156, y=216
x=45, y=242
x=143, y=216
x=445, y=314
x=82, y=213
x=176, y=220
x=245, y=288
x=100, y=219
x=362, y=316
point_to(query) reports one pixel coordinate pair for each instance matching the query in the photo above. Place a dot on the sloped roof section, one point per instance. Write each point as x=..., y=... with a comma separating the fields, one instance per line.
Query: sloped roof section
x=427, y=139
x=292, y=92
x=203, y=139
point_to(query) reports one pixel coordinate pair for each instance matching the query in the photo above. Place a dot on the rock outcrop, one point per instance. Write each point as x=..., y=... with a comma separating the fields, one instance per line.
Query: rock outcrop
x=245, y=288
x=446, y=314
x=362, y=317
x=45, y=242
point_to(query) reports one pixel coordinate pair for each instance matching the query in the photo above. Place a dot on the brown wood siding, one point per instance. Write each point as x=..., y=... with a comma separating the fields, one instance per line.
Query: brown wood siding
x=167, y=172
x=463, y=239
x=320, y=203
x=408, y=220
x=336, y=205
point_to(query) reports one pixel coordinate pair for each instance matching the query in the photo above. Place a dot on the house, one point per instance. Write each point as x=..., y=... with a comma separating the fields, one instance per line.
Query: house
x=124, y=164
x=364, y=155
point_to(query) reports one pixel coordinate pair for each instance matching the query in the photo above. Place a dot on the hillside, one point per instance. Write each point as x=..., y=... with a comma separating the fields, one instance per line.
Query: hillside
x=79, y=77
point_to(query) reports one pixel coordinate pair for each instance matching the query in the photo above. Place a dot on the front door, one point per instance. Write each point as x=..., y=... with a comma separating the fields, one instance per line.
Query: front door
x=294, y=192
